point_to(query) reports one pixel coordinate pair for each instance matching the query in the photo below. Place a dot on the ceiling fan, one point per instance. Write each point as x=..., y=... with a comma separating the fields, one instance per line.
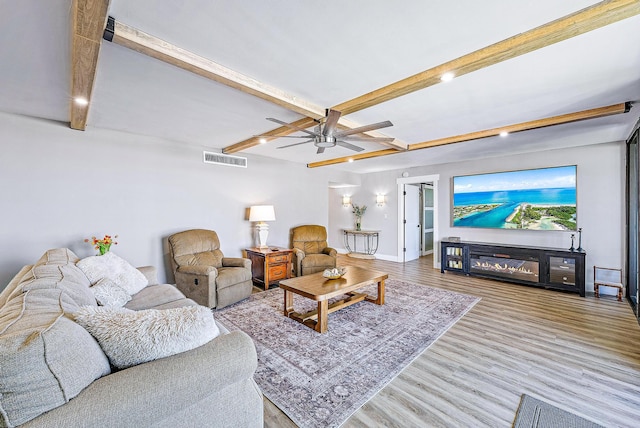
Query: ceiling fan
x=327, y=134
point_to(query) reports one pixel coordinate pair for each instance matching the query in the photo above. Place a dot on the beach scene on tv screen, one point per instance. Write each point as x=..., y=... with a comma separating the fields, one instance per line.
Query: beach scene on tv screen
x=534, y=199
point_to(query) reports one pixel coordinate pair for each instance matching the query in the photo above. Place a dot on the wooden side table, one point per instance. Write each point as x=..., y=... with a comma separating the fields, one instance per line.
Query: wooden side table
x=269, y=265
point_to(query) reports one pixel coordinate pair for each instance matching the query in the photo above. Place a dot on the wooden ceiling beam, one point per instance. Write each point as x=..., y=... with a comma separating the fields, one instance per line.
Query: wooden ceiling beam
x=518, y=127
x=585, y=20
x=139, y=41
x=154, y=47
x=580, y=22
x=596, y=16
x=526, y=126
x=351, y=158
x=88, y=21
x=305, y=122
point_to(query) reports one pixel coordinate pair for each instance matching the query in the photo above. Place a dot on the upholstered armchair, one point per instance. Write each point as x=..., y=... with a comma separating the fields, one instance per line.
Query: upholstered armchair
x=202, y=272
x=310, y=250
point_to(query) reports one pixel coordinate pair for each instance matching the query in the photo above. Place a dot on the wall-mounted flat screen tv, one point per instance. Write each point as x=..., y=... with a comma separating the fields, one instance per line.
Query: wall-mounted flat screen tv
x=533, y=199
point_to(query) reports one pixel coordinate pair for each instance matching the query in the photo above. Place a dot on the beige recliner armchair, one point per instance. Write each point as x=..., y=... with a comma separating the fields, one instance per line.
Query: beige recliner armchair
x=202, y=272
x=310, y=250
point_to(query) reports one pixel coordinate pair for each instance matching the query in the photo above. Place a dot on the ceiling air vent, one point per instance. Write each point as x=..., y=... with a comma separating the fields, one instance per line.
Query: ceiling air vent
x=222, y=159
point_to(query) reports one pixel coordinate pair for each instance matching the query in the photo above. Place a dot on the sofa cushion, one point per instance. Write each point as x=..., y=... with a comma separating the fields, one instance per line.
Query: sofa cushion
x=108, y=293
x=176, y=304
x=114, y=268
x=11, y=290
x=56, y=269
x=46, y=359
x=133, y=337
x=60, y=256
x=155, y=295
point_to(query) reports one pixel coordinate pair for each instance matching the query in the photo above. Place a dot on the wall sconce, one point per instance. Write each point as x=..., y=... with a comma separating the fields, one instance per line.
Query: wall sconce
x=346, y=201
x=380, y=200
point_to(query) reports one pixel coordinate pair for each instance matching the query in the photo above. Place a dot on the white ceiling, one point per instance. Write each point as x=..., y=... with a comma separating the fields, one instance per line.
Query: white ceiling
x=329, y=52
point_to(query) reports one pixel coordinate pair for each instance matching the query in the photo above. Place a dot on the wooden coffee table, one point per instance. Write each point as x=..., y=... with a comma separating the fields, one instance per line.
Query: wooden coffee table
x=316, y=287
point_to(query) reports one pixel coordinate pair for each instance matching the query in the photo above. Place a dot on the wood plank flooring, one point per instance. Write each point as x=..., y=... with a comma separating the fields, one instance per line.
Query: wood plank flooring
x=581, y=354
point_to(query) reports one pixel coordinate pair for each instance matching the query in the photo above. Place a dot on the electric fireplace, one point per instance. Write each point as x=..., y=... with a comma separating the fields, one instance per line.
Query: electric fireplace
x=553, y=268
x=519, y=268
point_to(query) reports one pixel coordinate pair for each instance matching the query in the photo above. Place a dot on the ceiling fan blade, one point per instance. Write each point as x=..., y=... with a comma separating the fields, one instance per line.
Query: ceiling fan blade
x=320, y=150
x=295, y=144
x=372, y=139
x=288, y=125
x=349, y=146
x=330, y=124
x=365, y=128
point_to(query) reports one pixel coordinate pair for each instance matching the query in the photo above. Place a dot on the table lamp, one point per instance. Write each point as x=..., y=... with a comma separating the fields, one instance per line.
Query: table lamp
x=262, y=214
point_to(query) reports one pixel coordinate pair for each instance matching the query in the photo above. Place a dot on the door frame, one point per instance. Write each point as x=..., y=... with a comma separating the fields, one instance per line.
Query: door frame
x=433, y=179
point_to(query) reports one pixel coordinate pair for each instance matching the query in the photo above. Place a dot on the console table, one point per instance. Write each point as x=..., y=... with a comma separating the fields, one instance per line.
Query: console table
x=553, y=268
x=370, y=243
x=269, y=265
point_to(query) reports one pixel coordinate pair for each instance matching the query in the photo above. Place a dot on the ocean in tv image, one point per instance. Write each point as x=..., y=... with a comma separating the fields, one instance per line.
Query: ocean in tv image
x=537, y=199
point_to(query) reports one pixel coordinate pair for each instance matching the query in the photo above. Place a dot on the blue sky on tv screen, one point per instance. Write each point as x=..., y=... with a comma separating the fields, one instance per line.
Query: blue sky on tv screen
x=546, y=178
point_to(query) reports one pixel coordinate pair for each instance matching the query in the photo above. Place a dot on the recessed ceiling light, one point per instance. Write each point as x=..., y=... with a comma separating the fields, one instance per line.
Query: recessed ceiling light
x=81, y=101
x=447, y=77
x=262, y=140
x=504, y=133
x=350, y=160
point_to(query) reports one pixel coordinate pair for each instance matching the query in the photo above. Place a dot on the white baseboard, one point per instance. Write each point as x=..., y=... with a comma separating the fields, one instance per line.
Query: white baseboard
x=388, y=258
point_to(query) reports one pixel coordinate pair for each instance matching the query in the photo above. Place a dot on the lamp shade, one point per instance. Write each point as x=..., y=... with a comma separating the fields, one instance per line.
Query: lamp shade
x=262, y=213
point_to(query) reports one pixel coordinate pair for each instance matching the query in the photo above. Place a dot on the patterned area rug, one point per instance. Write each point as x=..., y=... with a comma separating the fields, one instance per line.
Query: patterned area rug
x=321, y=379
x=534, y=413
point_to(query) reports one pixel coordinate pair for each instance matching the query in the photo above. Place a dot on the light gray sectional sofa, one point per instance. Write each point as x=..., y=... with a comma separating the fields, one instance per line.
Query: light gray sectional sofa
x=53, y=373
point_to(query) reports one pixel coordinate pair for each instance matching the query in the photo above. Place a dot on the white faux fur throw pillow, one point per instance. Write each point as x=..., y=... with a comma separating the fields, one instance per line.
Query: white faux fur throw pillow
x=114, y=268
x=133, y=337
x=108, y=293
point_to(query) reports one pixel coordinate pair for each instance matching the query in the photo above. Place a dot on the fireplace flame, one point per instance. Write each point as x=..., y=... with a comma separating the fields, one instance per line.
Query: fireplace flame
x=500, y=268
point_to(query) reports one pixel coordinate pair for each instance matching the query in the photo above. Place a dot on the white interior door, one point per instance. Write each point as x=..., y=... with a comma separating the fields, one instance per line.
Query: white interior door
x=412, y=230
x=402, y=183
x=427, y=219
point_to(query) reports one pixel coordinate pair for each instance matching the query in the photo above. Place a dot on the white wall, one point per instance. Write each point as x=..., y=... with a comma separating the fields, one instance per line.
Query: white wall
x=59, y=186
x=381, y=218
x=600, y=193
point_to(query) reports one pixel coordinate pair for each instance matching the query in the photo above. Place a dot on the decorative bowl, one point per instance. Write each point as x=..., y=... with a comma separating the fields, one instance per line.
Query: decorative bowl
x=334, y=273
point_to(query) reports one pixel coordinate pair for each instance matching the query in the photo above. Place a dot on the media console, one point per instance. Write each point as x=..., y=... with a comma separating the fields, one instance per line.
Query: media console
x=535, y=266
